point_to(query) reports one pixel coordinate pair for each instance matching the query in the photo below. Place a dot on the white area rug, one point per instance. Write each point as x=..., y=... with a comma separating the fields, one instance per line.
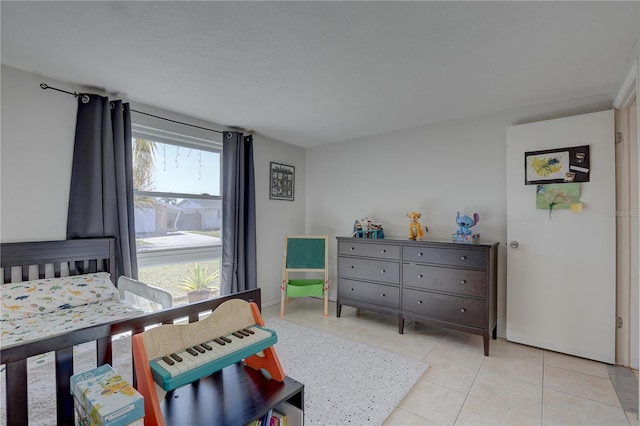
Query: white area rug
x=346, y=383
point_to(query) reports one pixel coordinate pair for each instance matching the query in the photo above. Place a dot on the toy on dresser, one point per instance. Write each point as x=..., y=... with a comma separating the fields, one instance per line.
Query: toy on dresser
x=415, y=229
x=367, y=228
x=464, y=233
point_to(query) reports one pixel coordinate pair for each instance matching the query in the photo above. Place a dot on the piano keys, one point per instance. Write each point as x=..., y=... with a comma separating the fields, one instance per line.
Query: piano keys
x=194, y=362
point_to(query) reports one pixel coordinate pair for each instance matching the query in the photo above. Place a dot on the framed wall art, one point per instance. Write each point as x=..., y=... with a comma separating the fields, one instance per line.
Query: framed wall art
x=560, y=165
x=282, y=181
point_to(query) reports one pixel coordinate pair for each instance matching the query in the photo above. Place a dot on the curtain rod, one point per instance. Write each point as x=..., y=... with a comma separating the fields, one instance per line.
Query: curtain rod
x=85, y=99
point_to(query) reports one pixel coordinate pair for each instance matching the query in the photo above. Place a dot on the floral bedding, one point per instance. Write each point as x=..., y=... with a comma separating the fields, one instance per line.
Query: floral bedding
x=41, y=308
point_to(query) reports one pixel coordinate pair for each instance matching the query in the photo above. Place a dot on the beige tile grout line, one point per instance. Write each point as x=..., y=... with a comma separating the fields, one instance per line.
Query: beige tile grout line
x=469, y=391
x=544, y=353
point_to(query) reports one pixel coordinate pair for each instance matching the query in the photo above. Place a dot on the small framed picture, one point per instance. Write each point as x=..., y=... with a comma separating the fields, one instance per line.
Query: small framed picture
x=282, y=182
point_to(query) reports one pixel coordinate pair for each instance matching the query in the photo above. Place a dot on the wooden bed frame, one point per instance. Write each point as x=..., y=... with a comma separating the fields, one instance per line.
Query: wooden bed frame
x=83, y=256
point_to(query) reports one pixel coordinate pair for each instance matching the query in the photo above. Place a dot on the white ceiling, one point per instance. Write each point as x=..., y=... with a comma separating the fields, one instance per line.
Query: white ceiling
x=310, y=73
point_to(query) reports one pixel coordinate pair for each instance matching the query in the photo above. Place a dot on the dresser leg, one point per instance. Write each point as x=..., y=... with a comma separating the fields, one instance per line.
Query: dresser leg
x=485, y=340
x=338, y=309
x=400, y=324
x=494, y=333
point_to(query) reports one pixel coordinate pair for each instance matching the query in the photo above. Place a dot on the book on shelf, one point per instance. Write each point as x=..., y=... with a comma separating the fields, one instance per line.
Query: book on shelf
x=278, y=419
x=272, y=418
x=266, y=419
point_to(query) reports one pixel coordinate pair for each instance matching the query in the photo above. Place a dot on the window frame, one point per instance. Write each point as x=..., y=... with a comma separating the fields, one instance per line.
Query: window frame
x=184, y=254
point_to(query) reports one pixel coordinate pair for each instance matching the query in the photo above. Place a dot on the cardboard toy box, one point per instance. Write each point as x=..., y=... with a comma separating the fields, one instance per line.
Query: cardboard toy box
x=105, y=398
x=83, y=418
x=467, y=239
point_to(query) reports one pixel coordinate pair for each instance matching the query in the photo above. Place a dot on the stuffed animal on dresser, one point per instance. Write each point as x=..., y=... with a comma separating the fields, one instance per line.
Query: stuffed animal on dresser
x=466, y=222
x=415, y=229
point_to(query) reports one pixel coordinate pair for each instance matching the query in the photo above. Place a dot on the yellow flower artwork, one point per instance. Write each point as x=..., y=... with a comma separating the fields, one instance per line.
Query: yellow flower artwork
x=546, y=166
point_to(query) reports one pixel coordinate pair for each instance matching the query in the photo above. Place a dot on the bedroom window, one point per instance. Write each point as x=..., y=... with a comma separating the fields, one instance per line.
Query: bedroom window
x=178, y=210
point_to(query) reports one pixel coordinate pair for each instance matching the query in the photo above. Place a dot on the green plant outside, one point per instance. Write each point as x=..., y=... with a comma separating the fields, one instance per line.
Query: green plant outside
x=198, y=278
x=167, y=277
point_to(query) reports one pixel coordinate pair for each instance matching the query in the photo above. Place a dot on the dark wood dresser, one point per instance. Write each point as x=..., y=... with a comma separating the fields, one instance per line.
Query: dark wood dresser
x=443, y=283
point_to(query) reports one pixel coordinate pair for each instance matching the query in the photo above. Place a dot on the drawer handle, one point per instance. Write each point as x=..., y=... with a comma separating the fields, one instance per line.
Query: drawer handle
x=351, y=289
x=352, y=266
x=463, y=282
x=352, y=248
x=420, y=254
x=420, y=302
x=420, y=276
x=383, y=295
x=463, y=310
x=463, y=258
x=383, y=251
x=383, y=271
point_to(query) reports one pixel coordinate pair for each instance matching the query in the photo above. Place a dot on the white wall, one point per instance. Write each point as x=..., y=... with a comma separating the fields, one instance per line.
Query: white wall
x=437, y=170
x=36, y=148
x=276, y=218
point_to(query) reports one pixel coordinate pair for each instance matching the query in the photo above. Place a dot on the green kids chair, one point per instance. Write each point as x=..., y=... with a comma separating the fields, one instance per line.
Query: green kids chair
x=307, y=255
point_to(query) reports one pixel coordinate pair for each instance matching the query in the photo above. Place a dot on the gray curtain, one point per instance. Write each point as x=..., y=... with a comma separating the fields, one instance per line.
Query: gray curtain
x=101, y=196
x=238, y=214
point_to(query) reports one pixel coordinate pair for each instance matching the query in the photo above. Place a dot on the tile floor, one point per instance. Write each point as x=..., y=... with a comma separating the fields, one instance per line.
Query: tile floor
x=515, y=385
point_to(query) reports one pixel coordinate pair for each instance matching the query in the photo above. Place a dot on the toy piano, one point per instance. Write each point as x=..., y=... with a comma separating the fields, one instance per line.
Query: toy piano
x=174, y=355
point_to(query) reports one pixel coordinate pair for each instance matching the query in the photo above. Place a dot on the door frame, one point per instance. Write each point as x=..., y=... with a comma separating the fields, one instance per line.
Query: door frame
x=626, y=97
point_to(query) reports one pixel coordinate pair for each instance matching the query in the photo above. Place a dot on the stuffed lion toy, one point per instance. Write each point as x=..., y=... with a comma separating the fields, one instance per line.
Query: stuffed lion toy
x=415, y=229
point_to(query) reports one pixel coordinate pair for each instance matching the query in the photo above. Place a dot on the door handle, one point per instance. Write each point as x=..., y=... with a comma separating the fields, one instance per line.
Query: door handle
x=513, y=244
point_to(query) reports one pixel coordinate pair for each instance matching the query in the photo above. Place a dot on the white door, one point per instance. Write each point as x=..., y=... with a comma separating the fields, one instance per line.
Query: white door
x=561, y=277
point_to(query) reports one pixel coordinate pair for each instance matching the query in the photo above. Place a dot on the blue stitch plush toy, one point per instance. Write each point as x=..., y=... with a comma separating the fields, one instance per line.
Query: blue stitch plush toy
x=465, y=223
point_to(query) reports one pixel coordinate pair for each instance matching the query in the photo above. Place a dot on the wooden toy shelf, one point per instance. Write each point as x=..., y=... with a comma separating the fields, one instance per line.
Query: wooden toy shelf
x=233, y=396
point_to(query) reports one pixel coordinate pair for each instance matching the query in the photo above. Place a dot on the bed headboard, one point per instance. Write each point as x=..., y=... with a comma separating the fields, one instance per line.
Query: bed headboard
x=45, y=259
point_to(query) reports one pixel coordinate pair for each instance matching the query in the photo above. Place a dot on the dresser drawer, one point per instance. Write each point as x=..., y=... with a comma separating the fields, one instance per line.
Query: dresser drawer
x=381, y=251
x=443, y=256
x=366, y=269
x=460, y=310
x=462, y=281
x=379, y=294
